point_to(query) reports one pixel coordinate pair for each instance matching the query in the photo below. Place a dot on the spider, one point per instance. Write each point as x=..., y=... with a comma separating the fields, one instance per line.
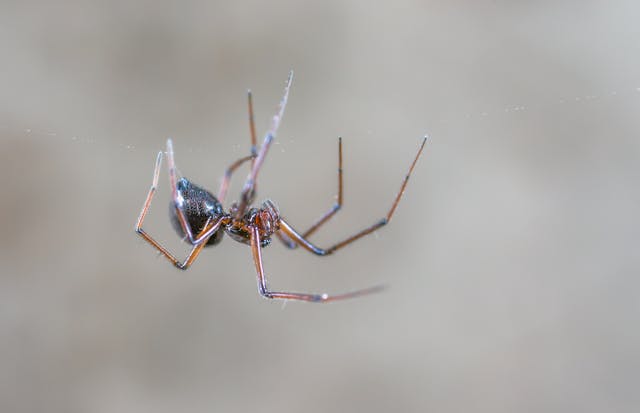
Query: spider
x=199, y=216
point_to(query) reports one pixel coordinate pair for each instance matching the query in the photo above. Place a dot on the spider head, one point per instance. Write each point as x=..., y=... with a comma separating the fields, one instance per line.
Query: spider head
x=267, y=219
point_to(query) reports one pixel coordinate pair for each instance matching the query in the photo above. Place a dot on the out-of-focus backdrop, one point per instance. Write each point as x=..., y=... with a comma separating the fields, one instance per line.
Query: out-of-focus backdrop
x=512, y=261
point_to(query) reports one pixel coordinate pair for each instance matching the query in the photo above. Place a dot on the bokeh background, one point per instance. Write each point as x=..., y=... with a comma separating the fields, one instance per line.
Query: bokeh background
x=512, y=260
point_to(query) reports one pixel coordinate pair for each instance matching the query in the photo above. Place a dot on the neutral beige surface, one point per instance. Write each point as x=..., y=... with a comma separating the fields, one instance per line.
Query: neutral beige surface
x=513, y=260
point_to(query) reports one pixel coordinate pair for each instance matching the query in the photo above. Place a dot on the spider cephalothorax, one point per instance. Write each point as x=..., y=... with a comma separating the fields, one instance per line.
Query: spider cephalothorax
x=266, y=219
x=199, y=216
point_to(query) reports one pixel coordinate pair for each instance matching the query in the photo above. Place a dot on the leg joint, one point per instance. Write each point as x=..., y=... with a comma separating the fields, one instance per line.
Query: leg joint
x=264, y=292
x=317, y=298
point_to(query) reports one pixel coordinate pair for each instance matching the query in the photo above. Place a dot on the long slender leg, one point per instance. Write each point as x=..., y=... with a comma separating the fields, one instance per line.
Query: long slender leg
x=301, y=240
x=335, y=208
x=252, y=127
x=246, y=197
x=254, y=152
x=224, y=185
x=186, y=263
x=204, y=235
x=177, y=199
x=316, y=298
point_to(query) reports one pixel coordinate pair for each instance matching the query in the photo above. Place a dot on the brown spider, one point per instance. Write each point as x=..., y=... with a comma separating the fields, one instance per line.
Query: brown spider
x=200, y=217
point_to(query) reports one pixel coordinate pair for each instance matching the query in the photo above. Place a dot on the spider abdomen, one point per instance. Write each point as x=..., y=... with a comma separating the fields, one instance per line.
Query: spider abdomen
x=199, y=206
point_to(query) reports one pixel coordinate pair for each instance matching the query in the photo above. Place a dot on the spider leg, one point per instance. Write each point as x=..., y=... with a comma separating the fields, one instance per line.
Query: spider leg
x=301, y=240
x=315, y=298
x=324, y=218
x=254, y=153
x=177, y=200
x=186, y=263
x=204, y=235
x=248, y=191
x=252, y=127
x=224, y=185
x=254, y=141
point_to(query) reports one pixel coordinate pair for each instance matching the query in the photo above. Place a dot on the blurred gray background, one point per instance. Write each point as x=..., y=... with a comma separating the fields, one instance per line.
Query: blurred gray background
x=512, y=260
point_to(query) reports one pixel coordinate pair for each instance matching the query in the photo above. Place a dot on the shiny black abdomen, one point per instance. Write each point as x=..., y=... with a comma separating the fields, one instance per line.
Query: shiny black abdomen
x=198, y=205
